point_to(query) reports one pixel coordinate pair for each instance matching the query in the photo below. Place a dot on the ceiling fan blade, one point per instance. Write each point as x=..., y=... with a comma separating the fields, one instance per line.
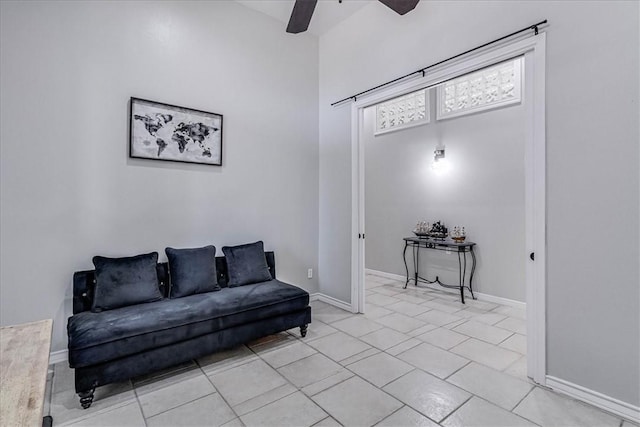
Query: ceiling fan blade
x=400, y=6
x=301, y=16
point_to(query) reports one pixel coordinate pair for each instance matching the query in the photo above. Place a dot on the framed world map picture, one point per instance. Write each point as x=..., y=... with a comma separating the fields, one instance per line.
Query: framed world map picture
x=178, y=134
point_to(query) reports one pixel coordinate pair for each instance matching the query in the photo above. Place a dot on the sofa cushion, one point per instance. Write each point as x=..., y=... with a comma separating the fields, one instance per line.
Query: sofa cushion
x=125, y=281
x=100, y=337
x=246, y=264
x=193, y=271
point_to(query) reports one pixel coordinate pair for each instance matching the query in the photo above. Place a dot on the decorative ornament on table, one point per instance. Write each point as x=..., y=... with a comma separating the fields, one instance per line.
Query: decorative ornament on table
x=458, y=234
x=437, y=230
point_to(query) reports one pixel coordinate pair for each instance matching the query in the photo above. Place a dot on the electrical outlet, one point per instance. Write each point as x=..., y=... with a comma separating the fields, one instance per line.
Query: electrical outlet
x=310, y=273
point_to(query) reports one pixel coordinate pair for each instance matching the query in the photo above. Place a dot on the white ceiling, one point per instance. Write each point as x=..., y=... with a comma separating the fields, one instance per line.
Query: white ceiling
x=328, y=13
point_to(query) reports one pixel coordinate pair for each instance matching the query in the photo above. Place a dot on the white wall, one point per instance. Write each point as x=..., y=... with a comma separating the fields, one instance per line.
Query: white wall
x=483, y=189
x=69, y=190
x=593, y=321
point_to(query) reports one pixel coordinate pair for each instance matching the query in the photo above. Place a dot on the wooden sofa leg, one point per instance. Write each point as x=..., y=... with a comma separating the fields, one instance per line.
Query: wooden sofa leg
x=303, y=330
x=86, y=398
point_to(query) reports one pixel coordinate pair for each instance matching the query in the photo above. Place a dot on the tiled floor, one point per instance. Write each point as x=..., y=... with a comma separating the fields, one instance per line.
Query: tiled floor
x=418, y=357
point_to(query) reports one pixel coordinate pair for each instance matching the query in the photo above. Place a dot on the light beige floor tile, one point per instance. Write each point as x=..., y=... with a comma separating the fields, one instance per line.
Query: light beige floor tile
x=356, y=357
x=444, y=306
x=316, y=329
x=63, y=378
x=427, y=394
x=384, y=290
x=487, y=354
x=373, y=311
x=434, y=360
x=264, y=399
x=310, y=370
x=384, y=338
x=514, y=325
x=403, y=346
x=496, y=387
x=221, y=361
x=426, y=328
x=482, y=305
x=233, y=423
x=407, y=308
x=65, y=406
x=438, y=318
x=381, y=300
x=518, y=313
x=454, y=324
x=319, y=305
x=443, y=338
x=489, y=318
x=124, y=416
x=483, y=332
x=172, y=391
x=339, y=346
x=380, y=369
x=245, y=382
x=470, y=312
x=322, y=385
x=516, y=342
x=400, y=322
x=287, y=354
x=518, y=369
x=415, y=299
x=331, y=314
x=210, y=410
x=295, y=410
x=355, y=402
x=478, y=413
x=406, y=416
x=550, y=409
x=626, y=423
x=357, y=325
x=328, y=422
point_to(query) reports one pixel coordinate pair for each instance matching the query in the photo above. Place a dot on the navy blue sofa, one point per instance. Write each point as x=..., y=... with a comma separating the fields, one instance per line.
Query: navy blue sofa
x=116, y=345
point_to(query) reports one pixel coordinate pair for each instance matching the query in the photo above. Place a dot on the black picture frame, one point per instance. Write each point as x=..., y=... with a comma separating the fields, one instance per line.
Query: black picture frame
x=159, y=131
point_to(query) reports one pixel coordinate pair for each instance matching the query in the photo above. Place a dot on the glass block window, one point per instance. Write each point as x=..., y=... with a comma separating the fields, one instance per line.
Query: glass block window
x=402, y=112
x=492, y=87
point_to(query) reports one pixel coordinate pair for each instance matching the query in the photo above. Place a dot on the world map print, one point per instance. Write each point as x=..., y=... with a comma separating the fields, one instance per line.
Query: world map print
x=165, y=132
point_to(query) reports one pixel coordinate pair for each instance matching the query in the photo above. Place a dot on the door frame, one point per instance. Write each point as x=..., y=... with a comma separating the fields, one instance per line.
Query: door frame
x=533, y=48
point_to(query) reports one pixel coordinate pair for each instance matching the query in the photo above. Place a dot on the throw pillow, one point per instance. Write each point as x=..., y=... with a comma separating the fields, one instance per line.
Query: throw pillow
x=125, y=281
x=246, y=264
x=192, y=271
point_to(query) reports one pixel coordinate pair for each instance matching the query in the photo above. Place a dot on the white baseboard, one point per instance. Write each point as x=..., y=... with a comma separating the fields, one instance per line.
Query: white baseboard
x=330, y=300
x=479, y=295
x=599, y=400
x=58, y=356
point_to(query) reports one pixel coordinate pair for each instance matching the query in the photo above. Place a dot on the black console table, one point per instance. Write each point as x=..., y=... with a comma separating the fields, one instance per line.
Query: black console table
x=462, y=248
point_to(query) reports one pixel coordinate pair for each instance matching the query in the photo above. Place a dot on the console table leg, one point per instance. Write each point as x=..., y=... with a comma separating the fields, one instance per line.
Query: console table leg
x=473, y=269
x=460, y=278
x=404, y=257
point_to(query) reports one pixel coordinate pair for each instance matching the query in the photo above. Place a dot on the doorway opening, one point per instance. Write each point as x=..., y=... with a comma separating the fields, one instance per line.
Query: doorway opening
x=443, y=143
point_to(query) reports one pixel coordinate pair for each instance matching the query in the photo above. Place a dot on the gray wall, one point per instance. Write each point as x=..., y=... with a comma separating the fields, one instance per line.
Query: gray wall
x=483, y=189
x=593, y=321
x=69, y=191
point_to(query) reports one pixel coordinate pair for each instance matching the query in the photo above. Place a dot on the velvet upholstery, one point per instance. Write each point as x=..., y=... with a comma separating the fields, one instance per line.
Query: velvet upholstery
x=127, y=342
x=246, y=264
x=192, y=271
x=99, y=337
x=163, y=357
x=84, y=281
x=121, y=282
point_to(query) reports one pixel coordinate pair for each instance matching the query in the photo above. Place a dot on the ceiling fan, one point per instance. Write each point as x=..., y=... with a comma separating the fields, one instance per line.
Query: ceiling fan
x=303, y=11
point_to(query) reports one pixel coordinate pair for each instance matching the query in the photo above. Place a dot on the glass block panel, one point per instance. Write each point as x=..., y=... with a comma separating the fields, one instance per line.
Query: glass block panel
x=491, y=87
x=407, y=110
